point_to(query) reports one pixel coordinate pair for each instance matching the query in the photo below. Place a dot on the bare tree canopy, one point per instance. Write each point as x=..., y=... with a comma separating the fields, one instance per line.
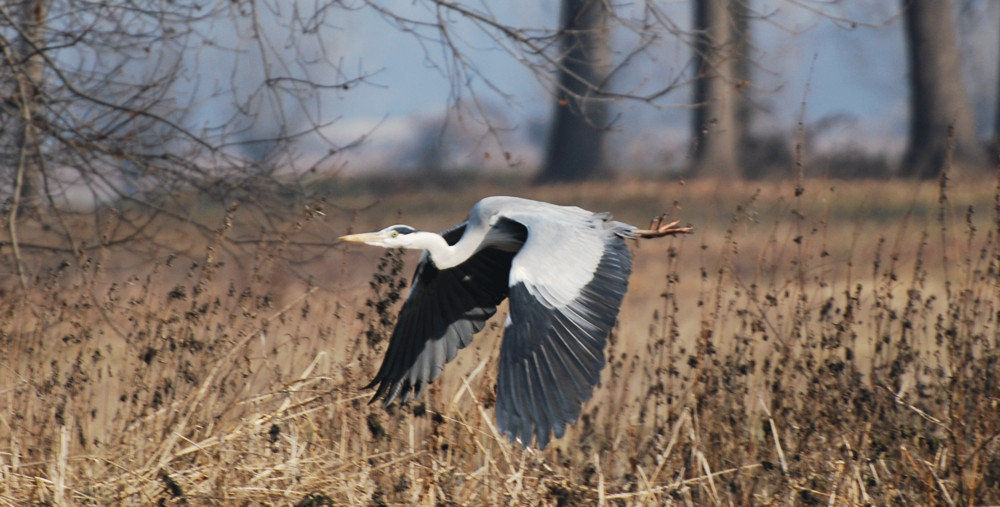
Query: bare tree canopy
x=105, y=109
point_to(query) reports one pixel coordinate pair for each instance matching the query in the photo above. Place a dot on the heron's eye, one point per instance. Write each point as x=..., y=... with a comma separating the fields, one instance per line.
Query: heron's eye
x=394, y=234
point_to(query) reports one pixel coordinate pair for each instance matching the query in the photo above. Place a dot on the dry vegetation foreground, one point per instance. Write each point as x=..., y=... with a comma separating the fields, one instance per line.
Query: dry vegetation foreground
x=836, y=343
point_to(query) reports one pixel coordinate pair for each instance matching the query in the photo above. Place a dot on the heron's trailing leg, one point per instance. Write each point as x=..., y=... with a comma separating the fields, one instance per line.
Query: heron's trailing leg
x=658, y=229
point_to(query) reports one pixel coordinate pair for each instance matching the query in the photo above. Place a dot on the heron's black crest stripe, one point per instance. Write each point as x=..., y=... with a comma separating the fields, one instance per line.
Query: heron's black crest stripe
x=551, y=359
x=404, y=229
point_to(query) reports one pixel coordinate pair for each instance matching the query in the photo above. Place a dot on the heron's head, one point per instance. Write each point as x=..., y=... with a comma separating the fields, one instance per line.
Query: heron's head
x=395, y=236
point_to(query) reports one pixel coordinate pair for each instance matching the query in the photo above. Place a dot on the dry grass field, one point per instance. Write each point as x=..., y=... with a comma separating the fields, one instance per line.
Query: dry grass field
x=829, y=343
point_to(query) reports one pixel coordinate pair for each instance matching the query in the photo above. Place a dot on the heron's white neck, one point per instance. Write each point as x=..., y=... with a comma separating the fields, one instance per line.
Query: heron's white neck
x=444, y=255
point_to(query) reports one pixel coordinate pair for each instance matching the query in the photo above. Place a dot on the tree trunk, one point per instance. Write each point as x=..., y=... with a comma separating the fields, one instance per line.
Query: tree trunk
x=995, y=142
x=716, y=128
x=740, y=12
x=940, y=116
x=27, y=167
x=574, y=146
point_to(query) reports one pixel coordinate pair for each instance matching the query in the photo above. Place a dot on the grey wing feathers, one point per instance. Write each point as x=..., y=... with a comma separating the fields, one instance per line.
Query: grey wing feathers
x=440, y=315
x=553, y=350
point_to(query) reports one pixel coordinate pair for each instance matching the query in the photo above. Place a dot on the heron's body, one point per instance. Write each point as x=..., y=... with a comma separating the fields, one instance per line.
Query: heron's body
x=565, y=271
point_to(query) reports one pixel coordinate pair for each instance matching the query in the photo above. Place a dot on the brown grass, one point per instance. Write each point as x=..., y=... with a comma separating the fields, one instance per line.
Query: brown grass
x=834, y=345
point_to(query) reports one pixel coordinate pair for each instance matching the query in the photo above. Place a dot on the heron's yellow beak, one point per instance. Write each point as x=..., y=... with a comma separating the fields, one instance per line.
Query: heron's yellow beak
x=360, y=238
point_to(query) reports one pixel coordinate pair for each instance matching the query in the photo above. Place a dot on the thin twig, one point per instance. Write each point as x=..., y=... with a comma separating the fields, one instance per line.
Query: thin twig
x=774, y=433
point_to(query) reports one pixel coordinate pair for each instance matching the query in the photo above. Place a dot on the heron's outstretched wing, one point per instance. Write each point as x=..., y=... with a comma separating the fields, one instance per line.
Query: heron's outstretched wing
x=566, y=286
x=441, y=313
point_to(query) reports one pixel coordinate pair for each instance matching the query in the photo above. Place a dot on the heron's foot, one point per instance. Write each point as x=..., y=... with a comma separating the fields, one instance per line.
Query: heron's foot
x=658, y=229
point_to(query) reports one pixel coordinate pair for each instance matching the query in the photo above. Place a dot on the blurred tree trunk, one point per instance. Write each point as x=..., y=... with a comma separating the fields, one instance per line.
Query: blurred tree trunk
x=938, y=100
x=740, y=12
x=716, y=126
x=574, y=147
x=27, y=169
x=996, y=121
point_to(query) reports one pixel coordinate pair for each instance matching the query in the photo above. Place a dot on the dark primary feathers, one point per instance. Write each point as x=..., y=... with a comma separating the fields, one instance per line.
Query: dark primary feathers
x=440, y=315
x=551, y=358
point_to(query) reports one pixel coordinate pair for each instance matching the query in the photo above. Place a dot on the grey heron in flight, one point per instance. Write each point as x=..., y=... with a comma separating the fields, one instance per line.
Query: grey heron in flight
x=565, y=271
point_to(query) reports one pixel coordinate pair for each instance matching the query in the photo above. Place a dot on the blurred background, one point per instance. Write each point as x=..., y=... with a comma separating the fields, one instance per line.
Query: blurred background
x=112, y=101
